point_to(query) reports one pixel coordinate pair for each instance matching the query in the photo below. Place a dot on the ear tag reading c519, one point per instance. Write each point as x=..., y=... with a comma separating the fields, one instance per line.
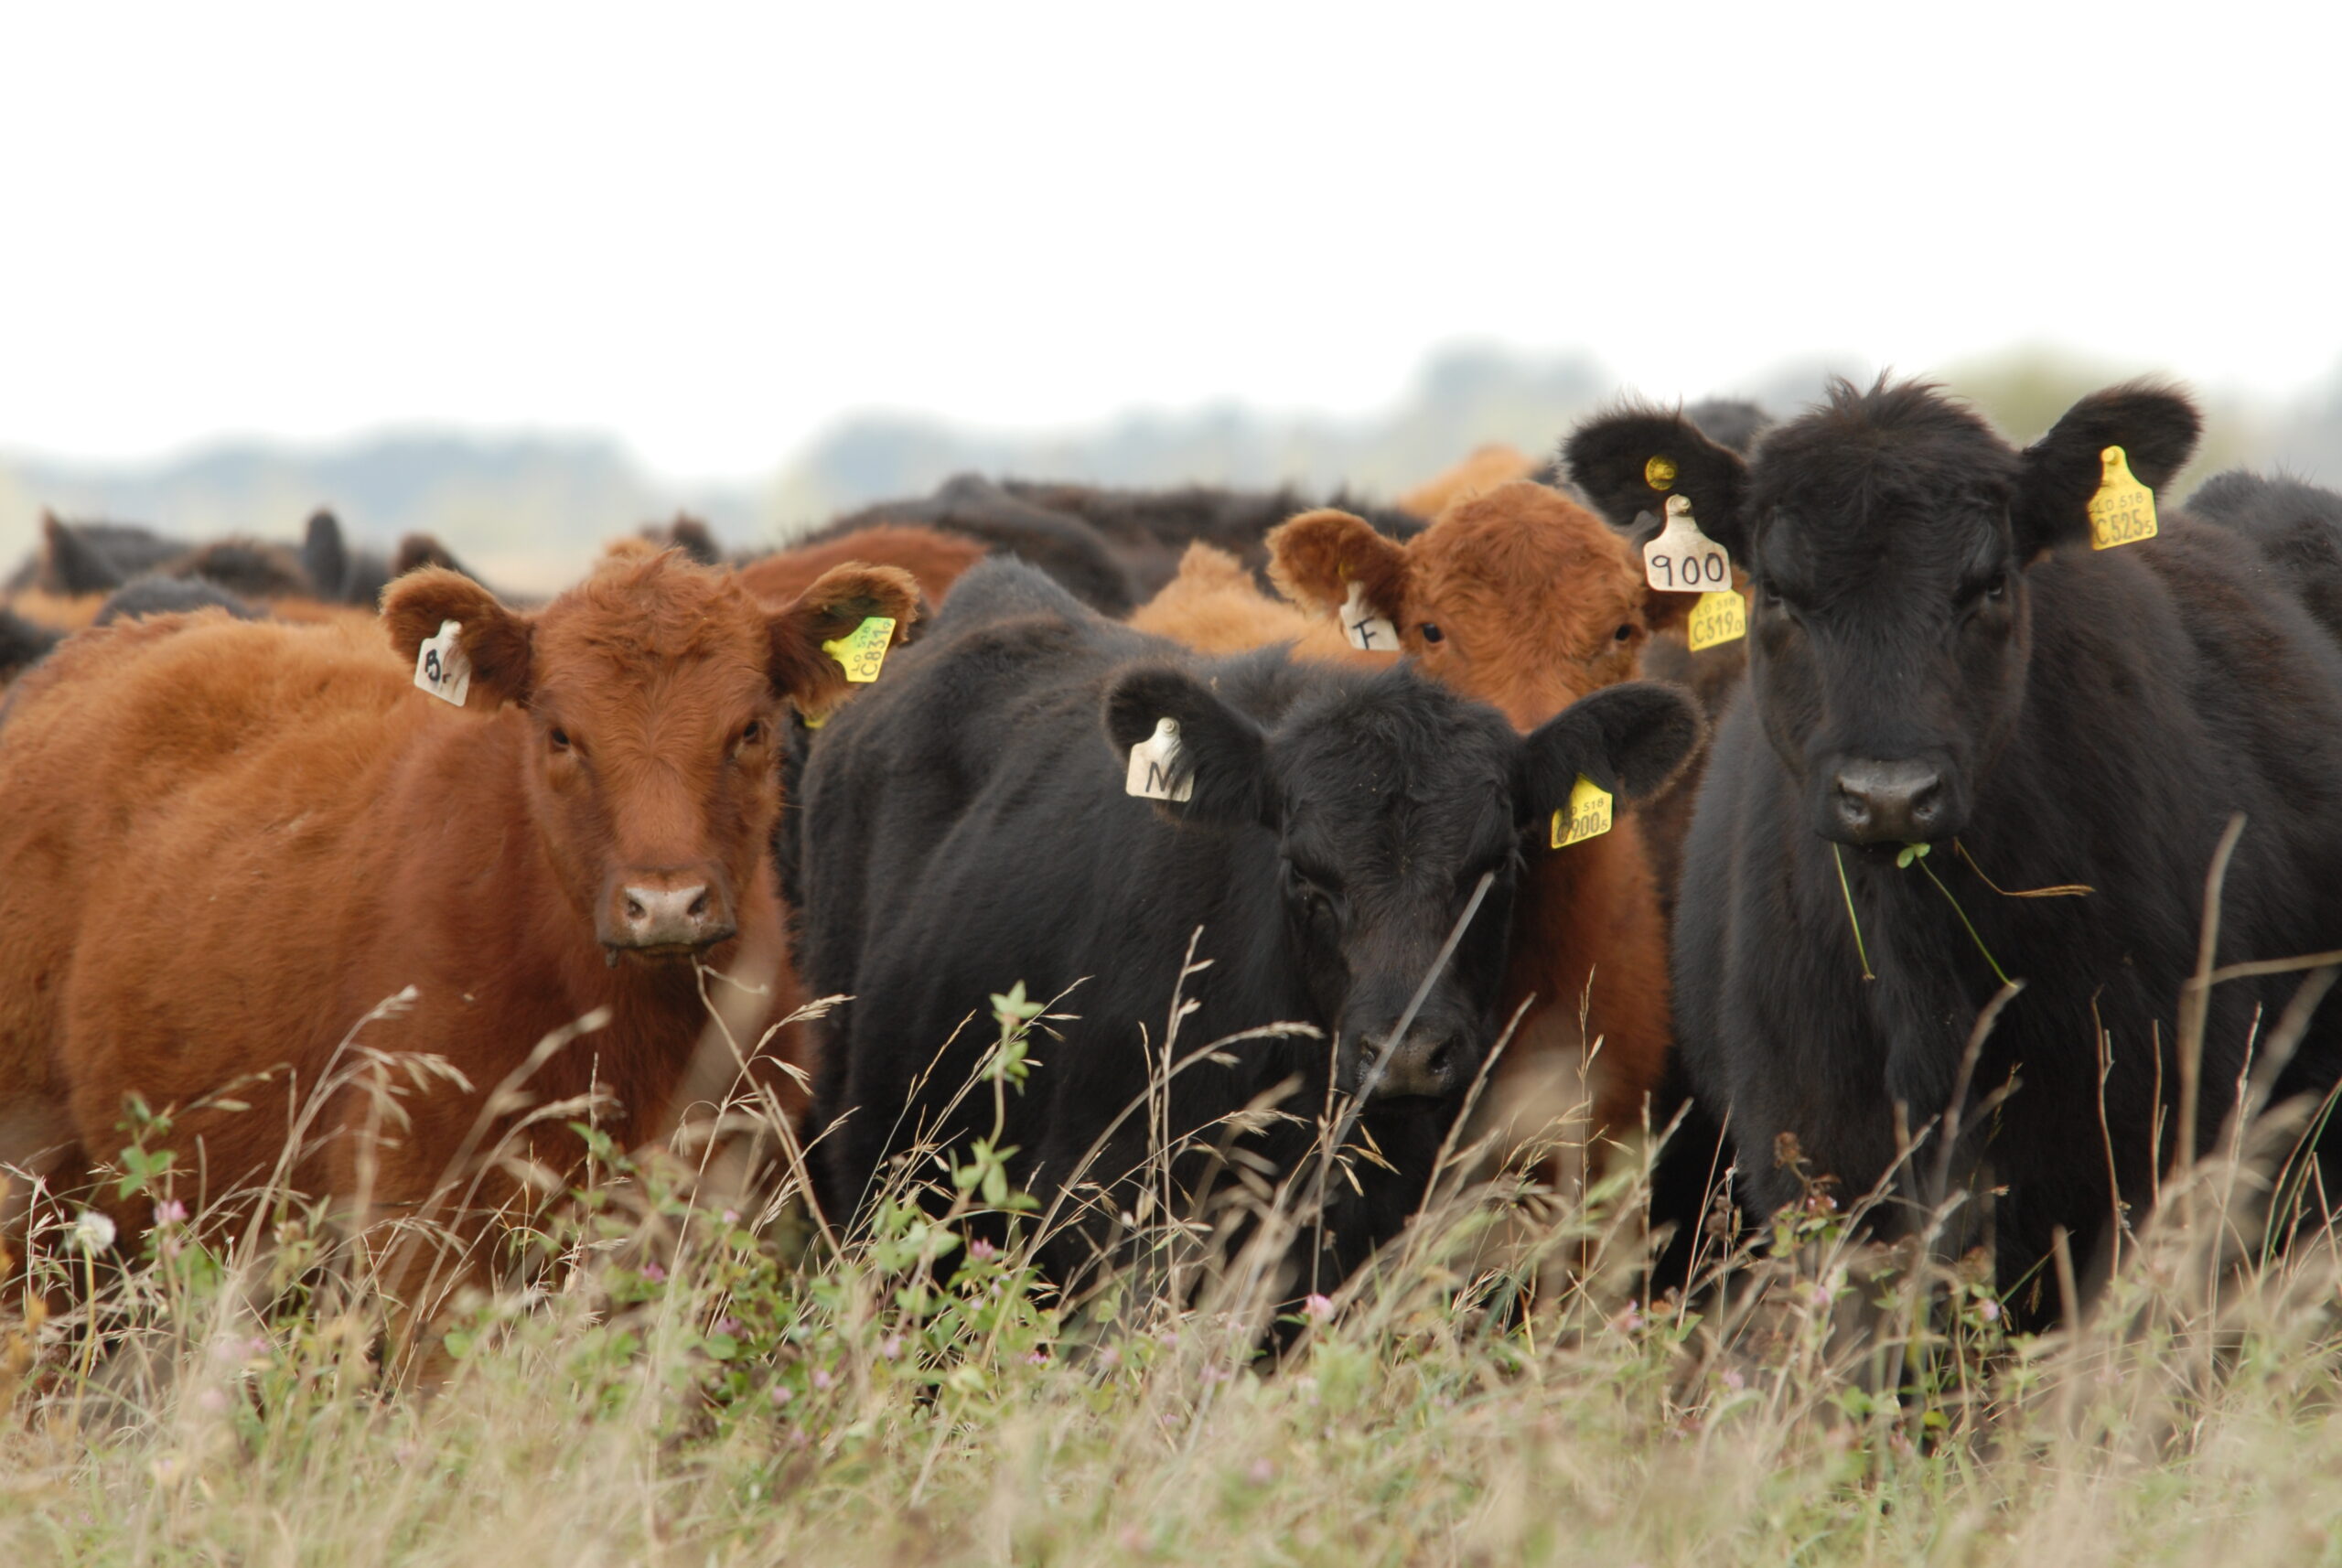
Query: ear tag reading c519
x=1151, y=760
x=2123, y=511
x=1364, y=627
x=1588, y=815
x=863, y=651
x=441, y=667
x=1682, y=560
x=1720, y=616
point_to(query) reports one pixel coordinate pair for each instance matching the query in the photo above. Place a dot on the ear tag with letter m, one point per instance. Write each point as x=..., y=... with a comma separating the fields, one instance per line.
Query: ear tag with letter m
x=1151, y=760
x=862, y=652
x=1364, y=627
x=1588, y=815
x=441, y=667
x=2123, y=511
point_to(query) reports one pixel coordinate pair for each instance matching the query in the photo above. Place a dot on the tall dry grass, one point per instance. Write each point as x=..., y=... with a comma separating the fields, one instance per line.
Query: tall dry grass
x=681, y=1366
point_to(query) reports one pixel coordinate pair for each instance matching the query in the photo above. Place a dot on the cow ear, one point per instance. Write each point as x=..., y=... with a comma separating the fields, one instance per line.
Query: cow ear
x=325, y=555
x=1315, y=558
x=495, y=640
x=831, y=609
x=76, y=565
x=1630, y=462
x=2155, y=426
x=1629, y=738
x=1223, y=752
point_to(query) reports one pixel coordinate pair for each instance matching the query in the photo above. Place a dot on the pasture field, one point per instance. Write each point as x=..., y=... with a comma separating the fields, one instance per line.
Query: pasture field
x=688, y=1383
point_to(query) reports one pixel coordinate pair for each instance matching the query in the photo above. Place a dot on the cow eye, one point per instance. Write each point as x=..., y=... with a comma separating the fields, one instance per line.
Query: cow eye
x=1998, y=588
x=754, y=733
x=1625, y=633
x=559, y=736
x=1432, y=633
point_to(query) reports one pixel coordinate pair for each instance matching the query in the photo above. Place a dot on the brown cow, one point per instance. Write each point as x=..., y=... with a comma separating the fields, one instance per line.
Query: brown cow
x=933, y=558
x=1484, y=470
x=1522, y=598
x=231, y=842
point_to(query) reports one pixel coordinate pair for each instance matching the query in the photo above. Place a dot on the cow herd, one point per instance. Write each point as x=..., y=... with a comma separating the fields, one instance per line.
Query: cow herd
x=1331, y=838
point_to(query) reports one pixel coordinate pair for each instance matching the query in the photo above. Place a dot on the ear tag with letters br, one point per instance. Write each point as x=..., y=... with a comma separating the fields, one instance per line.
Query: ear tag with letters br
x=863, y=651
x=1588, y=815
x=1682, y=560
x=1151, y=760
x=1719, y=616
x=441, y=667
x=2123, y=511
x=1364, y=627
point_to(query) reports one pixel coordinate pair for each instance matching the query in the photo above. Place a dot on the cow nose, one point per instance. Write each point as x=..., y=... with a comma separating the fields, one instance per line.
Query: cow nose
x=1427, y=1065
x=1889, y=802
x=669, y=912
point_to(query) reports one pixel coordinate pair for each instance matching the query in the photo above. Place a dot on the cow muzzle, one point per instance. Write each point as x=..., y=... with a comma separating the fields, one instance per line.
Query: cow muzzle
x=663, y=914
x=1889, y=802
x=1428, y=1063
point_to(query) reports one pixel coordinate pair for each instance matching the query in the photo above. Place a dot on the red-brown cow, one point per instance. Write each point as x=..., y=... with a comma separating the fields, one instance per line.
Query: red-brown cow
x=227, y=842
x=1520, y=597
x=934, y=558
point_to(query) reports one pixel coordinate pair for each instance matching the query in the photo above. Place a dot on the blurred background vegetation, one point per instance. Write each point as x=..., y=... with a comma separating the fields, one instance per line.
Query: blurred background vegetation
x=530, y=509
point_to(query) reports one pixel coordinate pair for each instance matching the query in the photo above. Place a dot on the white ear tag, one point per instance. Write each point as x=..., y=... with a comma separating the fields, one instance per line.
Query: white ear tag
x=1682, y=560
x=1151, y=762
x=1364, y=627
x=440, y=666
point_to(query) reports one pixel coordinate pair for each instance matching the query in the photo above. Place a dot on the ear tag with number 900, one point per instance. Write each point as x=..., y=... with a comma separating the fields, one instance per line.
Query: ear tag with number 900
x=1151, y=760
x=1588, y=815
x=1364, y=627
x=1682, y=560
x=1719, y=616
x=440, y=666
x=862, y=652
x=2123, y=511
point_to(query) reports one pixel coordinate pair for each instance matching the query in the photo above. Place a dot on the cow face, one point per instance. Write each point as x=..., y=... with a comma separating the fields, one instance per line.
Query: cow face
x=1518, y=596
x=1389, y=800
x=1888, y=533
x=653, y=695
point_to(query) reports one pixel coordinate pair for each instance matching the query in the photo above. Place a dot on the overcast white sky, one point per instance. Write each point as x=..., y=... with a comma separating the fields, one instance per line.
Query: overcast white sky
x=710, y=229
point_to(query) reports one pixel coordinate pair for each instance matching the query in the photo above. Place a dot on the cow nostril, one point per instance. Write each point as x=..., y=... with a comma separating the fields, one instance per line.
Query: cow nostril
x=699, y=906
x=1437, y=1064
x=634, y=909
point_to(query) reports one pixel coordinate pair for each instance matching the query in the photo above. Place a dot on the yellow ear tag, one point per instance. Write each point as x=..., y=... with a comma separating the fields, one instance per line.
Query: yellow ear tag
x=862, y=651
x=1589, y=816
x=1720, y=616
x=2123, y=511
x=1660, y=473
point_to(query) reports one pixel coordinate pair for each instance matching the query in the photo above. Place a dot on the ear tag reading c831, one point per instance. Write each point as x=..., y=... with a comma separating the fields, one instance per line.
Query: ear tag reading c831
x=1682, y=560
x=441, y=667
x=1719, y=616
x=2123, y=511
x=863, y=651
x=1588, y=815
x=1364, y=627
x=1151, y=759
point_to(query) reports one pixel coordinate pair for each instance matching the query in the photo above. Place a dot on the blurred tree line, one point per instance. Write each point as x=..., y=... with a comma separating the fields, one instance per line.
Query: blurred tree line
x=530, y=510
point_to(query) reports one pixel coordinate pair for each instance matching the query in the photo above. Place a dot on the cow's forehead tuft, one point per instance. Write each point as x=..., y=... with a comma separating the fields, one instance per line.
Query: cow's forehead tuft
x=1865, y=453
x=633, y=615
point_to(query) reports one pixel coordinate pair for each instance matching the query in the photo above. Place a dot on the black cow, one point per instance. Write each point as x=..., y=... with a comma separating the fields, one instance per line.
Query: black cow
x=155, y=595
x=76, y=558
x=23, y=644
x=963, y=826
x=1151, y=530
x=1938, y=657
x=340, y=572
x=2298, y=526
x=1061, y=545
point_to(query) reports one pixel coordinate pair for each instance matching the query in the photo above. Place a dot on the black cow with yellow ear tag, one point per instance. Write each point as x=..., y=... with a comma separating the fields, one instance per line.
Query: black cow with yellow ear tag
x=2003, y=701
x=1036, y=794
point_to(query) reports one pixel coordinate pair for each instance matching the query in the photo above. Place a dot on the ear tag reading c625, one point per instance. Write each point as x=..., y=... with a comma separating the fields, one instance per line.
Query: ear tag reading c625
x=2123, y=511
x=1364, y=627
x=1682, y=560
x=1588, y=815
x=441, y=667
x=1719, y=616
x=862, y=652
x=1151, y=760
